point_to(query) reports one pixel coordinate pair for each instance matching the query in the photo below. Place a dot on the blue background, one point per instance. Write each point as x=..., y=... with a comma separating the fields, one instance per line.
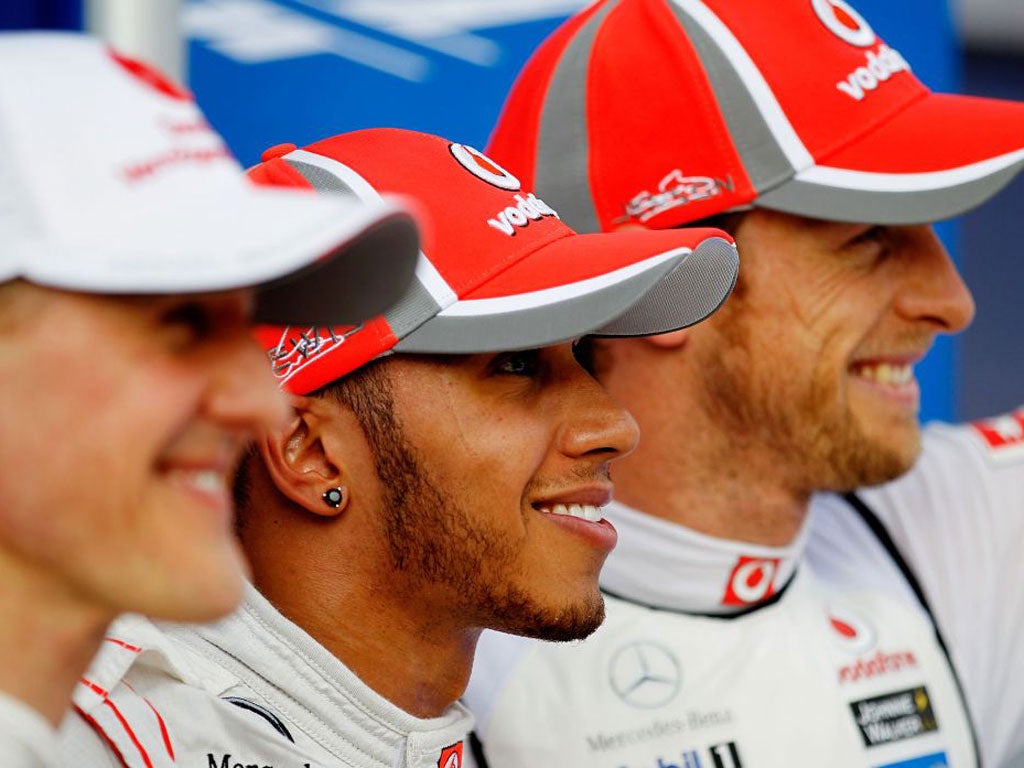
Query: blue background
x=272, y=71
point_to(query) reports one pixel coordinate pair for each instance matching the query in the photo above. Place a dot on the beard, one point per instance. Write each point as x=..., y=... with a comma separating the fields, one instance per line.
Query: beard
x=435, y=541
x=804, y=419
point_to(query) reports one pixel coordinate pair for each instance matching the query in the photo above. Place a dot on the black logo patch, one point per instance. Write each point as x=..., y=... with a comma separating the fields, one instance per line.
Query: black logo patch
x=894, y=716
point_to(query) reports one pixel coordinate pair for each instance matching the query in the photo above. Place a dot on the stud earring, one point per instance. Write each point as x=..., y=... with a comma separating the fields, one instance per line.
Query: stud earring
x=334, y=497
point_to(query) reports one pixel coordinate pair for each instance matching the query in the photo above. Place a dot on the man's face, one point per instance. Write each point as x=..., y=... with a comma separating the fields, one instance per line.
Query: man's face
x=482, y=455
x=813, y=355
x=122, y=421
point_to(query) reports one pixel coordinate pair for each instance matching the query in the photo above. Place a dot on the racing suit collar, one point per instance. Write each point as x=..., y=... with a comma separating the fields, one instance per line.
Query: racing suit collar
x=314, y=690
x=668, y=566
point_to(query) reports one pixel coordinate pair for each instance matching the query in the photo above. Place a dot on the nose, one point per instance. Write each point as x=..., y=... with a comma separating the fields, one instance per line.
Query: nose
x=595, y=426
x=932, y=289
x=242, y=395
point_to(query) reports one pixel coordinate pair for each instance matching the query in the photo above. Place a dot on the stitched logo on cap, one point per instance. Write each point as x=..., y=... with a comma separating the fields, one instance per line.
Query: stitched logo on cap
x=299, y=347
x=483, y=167
x=844, y=22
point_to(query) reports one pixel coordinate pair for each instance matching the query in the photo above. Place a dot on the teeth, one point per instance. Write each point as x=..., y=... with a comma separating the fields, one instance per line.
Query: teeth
x=581, y=511
x=887, y=373
x=205, y=480
x=209, y=480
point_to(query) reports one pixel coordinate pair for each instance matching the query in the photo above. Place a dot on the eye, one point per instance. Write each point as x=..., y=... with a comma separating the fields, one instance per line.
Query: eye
x=525, y=363
x=193, y=317
x=583, y=351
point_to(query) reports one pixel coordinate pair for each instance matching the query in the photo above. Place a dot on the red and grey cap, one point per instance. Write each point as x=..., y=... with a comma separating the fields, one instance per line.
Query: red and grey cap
x=663, y=112
x=498, y=269
x=111, y=181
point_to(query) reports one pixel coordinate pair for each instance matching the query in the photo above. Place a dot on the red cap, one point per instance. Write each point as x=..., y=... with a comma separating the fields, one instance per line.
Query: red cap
x=663, y=112
x=498, y=270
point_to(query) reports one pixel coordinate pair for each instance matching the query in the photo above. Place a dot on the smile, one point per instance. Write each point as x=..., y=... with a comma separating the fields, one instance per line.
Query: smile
x=891, y=374
x=586, y=512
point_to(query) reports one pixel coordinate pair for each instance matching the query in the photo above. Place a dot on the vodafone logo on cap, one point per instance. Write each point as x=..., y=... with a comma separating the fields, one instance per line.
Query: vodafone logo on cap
x=844, y=22
x=752, y=580
x=481, y=166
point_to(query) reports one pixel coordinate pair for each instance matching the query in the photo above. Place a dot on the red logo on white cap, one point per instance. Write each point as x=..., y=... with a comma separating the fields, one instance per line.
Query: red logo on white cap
x=481, y=166
x=151, y=77
x=751, y=581
x=844, y=22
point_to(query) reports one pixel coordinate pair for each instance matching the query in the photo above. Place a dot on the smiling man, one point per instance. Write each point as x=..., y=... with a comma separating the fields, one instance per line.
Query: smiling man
x=767, y=604
x=134, y=256
x=444, y=471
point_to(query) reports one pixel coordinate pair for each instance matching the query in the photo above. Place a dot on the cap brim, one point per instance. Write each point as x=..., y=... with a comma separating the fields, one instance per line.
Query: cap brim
x=628, y=283
x=939, y=157
x=316, y=260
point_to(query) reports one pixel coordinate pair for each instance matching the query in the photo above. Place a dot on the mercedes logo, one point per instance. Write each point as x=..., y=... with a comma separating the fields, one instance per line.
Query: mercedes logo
x=645, y=675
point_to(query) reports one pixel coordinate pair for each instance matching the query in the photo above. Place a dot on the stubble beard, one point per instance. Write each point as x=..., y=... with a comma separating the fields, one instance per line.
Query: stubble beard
x=434, y=540
x=818, y=441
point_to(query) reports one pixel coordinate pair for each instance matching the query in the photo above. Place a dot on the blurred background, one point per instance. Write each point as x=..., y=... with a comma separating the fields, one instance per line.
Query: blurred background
x=272, y=71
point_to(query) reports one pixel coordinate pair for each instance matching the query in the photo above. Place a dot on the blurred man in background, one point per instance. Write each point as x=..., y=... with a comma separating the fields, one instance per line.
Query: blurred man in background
x=133, y=256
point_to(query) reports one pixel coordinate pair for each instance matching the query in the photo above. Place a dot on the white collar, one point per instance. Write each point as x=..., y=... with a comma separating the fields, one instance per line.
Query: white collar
x=666, y=565
x=313, y=688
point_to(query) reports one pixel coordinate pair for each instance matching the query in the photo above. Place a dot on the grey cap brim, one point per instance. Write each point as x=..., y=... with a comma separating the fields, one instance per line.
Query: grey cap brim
x=673, y=279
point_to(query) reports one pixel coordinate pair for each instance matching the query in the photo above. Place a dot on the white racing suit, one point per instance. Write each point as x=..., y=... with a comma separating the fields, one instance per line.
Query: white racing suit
x=251, y=691
x=26, y=738
x=828, y=653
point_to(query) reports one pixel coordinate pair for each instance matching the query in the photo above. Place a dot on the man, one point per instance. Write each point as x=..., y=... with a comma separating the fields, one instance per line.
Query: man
x=444, y=471
x=751, y=623
x=130, y=242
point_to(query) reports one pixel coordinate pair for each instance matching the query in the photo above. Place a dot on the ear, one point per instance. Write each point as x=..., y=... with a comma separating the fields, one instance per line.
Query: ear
x=670, y=340
x=297, y=461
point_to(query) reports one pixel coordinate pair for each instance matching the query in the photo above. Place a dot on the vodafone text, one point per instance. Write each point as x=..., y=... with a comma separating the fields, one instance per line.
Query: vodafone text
x=519, y=215
x=879, y=67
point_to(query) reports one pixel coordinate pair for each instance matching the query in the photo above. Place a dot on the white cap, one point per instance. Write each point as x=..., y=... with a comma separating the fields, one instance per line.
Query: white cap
x=111, y=181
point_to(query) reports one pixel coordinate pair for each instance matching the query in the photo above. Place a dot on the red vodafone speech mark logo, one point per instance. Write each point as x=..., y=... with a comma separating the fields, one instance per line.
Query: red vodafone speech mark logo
x=752, y=580
x=451, y=757
x=852, y=632
x=151, y=77
x=1003, y=431
x=483, y=167
x=844, y=22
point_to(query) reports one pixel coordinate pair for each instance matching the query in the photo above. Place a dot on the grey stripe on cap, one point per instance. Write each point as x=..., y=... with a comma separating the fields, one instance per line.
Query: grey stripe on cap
x=865, y=206
x=763, y=159
x=416, y=305
x=536, y=326
x=563, y=148
x=696, y=288
x=322, y=180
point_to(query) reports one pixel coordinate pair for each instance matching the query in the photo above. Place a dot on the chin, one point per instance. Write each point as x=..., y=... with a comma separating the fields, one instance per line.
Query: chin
x=571, y=622
x=199, y=592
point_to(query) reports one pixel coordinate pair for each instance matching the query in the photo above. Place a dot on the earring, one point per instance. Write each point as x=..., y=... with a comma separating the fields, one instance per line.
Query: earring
x=334, y=497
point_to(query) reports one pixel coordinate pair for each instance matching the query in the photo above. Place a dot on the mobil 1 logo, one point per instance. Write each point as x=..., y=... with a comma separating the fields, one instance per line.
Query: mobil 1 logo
x=725, y=755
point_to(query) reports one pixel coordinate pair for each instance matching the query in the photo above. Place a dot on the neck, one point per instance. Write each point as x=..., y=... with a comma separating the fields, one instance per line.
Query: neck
x=391, y=630
x=50, y=634
x=405, y=656
x=695, y=468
